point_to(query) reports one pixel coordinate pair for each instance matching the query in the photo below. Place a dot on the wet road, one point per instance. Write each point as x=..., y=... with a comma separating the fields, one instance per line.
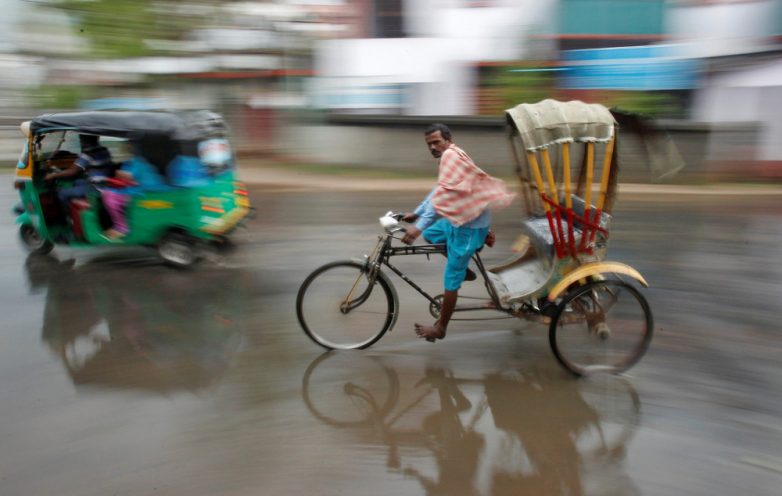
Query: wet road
x=119, y=376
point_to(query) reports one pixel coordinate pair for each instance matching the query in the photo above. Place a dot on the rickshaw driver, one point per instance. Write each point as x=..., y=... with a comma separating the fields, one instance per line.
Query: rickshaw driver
x=456, y=212
x=94, y=161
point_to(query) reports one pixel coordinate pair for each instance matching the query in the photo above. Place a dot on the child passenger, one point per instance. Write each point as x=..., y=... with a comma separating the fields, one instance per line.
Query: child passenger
x=133, y=178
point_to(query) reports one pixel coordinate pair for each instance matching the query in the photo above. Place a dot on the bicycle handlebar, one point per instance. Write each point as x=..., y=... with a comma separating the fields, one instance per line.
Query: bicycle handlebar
x=390, y=222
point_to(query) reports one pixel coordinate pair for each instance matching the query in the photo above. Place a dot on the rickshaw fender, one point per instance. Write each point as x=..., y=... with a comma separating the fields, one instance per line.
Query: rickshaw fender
x=391, y=287
x=592, y=269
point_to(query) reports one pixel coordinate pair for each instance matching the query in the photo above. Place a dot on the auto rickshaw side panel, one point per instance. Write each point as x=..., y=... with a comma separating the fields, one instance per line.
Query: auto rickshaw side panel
x=214, y=209
x=35, y=206
x=149, y=216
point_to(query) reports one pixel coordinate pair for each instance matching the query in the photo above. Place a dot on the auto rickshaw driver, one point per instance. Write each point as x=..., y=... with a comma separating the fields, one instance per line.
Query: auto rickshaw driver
x=93, y=162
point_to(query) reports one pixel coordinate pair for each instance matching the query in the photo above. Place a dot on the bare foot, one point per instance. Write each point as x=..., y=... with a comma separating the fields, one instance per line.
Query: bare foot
x=430, y=333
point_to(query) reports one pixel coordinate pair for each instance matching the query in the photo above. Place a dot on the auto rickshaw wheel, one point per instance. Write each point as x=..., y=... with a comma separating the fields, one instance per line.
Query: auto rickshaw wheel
x=178, y=249
x=33, y=241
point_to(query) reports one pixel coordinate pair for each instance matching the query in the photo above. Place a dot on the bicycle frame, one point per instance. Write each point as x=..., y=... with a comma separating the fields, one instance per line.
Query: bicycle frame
x=382, y=254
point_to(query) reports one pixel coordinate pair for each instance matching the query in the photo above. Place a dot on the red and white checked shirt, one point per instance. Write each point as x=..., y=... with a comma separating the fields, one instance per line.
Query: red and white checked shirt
x=464, y=190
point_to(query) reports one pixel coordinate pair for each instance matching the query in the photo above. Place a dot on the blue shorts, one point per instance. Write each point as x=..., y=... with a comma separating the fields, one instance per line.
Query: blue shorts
x=461, y=244
x=79, y=189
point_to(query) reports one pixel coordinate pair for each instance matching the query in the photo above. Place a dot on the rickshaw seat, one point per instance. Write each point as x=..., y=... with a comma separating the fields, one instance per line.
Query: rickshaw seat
x=518, y=278
x=578, y=208
x=538, y=229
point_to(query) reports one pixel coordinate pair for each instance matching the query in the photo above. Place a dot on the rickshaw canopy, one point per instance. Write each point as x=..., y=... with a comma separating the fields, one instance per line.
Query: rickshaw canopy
x=550, y=122
x=190, y=125
x=159, y=136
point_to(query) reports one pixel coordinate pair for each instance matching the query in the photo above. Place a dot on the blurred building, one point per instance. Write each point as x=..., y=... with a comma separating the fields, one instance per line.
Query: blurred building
x=712, y=61
x=421, y=58
x=740, y=44
x=246, y=59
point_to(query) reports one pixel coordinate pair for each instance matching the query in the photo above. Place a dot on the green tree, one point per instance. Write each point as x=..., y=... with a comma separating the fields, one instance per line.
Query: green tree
x=120, y=28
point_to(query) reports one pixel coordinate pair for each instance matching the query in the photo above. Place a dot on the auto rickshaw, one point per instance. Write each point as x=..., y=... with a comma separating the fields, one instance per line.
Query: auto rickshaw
x=193, y=199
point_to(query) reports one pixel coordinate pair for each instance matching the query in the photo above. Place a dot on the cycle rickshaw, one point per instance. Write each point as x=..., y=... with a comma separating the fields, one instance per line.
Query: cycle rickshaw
x=566, y=160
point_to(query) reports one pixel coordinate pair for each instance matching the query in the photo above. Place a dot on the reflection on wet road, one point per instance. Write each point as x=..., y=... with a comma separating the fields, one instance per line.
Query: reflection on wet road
x=126, y=332
x=519, y=431
x=121, y=376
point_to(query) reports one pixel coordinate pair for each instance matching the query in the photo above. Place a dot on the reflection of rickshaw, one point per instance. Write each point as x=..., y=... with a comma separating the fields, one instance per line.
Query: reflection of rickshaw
x=598, y=320
x=519, y=431
x=111, y=329
x=189, y=194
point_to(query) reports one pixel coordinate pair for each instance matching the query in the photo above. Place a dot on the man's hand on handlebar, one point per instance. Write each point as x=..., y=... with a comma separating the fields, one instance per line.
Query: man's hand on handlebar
x=409, y=217
x=411, y=235
x=412, y=232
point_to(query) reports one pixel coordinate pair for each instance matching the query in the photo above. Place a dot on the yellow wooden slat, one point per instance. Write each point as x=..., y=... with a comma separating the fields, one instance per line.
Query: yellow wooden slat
x=590, y=165
x=533, y=162
x=552, y=185
x=606, y=174
x=566, y=173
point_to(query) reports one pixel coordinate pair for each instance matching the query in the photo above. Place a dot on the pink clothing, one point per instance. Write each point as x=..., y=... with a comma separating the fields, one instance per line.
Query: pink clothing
x=464, y=190
x=116, y=203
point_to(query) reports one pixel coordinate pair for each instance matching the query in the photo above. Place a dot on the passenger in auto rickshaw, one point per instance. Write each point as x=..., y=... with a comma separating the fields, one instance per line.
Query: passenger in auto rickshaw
x=134, y=177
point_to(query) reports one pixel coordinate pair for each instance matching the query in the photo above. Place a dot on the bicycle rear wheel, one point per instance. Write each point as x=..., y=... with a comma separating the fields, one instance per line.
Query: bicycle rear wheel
x=340, y=307
x=603, y=326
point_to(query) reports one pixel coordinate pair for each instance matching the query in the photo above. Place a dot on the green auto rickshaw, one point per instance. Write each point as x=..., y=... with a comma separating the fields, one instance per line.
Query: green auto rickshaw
x=174, y=171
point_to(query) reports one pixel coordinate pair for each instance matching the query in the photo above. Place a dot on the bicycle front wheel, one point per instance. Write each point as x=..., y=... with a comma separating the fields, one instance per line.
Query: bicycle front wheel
x=603, y=326
x=341, y=306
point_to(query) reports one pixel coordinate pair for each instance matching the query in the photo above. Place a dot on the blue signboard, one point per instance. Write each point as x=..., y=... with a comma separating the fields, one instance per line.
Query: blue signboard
x=641, y=68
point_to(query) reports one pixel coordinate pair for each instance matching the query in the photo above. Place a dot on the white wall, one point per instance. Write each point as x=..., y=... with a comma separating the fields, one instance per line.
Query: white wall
x=494, y=33
x=751, y=95
x=722, y=28
x=435, y=64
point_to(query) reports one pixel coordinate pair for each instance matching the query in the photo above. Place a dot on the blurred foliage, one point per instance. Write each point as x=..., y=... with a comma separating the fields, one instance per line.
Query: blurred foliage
x=50, y=97
x=503, y=87
x=119, y=28
x=656, y=104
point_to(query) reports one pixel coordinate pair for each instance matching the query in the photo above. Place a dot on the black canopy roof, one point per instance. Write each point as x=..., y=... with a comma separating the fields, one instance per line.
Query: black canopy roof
x=134, y=124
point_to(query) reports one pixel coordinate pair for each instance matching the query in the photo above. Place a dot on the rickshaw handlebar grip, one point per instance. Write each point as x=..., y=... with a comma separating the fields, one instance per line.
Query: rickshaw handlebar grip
x=390, y=222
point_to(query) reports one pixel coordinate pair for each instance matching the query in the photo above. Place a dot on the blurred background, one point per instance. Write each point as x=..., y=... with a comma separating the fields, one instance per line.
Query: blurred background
x=352, y=82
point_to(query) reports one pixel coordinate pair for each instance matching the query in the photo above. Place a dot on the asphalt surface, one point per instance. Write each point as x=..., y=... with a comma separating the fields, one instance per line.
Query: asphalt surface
x=120, y=376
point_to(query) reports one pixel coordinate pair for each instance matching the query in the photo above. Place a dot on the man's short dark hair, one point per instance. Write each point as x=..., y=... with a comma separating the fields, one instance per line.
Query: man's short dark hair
x=444, y=131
